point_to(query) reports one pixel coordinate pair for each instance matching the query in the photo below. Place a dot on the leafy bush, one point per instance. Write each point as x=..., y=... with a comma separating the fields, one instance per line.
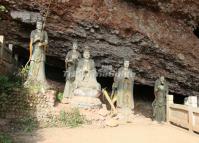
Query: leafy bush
x=3, y=8
x=5, y=138
x=59, y=96
x=8, y=83
x=27, y=124
x=23, y=72
x=71, y=119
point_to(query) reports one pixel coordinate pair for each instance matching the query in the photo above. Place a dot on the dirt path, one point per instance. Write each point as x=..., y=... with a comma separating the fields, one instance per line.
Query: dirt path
x=142, y=131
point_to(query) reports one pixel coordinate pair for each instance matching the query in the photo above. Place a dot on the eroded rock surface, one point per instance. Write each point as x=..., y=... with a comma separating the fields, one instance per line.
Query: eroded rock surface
x=157, y=35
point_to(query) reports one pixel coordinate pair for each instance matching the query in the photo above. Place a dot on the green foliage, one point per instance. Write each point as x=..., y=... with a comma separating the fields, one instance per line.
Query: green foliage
x=5, y=138
x=71, y=119
x=27, y=124
x=59, y=96
x=8, y=83
x=23, y=73
x=3, y=8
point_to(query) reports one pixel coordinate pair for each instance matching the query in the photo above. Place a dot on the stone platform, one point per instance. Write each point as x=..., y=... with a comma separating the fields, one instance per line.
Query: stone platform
x=85, y=102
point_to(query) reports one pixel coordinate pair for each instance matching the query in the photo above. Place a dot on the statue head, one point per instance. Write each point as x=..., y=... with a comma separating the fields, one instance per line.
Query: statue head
x=162, y=79
x=39, y=24
x=75, y=46
x=126, y=63
x=86, y=53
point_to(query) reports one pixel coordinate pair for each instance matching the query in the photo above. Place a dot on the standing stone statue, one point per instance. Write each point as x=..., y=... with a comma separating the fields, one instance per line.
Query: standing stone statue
x=38, y=44
x=71, y=61
x=86, y=88
x=123, y=87
x=159, y=104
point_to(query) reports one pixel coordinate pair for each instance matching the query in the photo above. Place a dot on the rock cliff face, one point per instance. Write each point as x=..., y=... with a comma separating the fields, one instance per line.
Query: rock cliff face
x=156, y=35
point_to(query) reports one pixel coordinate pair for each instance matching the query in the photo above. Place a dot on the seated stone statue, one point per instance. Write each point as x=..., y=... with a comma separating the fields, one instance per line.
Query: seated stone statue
x=123, y=87
x=85, y=82
x=159, y=104
x=38, y=45
x=71, y=61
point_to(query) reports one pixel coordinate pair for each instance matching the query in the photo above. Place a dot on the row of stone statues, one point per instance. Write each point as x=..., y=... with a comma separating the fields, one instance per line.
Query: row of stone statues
x=81, y=77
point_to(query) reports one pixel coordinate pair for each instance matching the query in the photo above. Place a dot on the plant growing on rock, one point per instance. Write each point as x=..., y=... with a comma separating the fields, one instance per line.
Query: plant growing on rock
x=2, y=10
x=26, y=124
x=5, y=138
x=23, y=73
x=71, y=119
x=7, y=84
x=59, y=96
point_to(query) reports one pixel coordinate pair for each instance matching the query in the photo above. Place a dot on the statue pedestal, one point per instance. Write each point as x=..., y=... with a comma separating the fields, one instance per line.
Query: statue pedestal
x=85, y=102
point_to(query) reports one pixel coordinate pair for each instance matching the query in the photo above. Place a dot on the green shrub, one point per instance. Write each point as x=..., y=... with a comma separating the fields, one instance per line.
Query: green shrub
x=27, y=124
x=23, y=72
x=3, y=8
x=5, y=138
x=71, y=119
x=59, y=96
x=8, y=83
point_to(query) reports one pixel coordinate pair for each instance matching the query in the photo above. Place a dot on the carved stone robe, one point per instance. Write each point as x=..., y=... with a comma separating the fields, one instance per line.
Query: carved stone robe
x=123, y=86
x=159, y=104
x=36, y=73
x=86, y=82
x=72, y=59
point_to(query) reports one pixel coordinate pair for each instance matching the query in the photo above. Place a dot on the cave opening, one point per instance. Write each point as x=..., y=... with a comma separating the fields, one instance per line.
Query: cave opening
x=55, y=74
x=178, y=98
x=196, y=31
x=106, y=83
x=55, y=69
x=143, y=98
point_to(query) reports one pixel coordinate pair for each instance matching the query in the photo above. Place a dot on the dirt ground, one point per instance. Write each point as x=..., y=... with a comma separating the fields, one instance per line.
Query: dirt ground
x=142, y=130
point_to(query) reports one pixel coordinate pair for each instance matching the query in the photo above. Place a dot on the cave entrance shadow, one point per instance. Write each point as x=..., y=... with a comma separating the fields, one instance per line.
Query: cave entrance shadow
x=106, y=83
x=196, y=31
x=143, y=98
x=178, y=98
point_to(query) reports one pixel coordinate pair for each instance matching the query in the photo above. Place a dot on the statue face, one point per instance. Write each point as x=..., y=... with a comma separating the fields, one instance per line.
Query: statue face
x=86, y=54
x=74, y=46
x=126, y=64
x=162, y=79
x=39, y=25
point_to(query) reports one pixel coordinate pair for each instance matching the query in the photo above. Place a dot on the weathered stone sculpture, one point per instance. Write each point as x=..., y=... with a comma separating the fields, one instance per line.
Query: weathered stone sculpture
x=38, y=44
x=123, y=86
x=159, y=104
x=86, y=87
x=71, y=61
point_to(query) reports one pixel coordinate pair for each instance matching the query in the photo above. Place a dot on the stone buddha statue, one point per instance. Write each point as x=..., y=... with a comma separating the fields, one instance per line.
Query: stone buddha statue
x=86, y=83
x=71, y=61
x=86, y=88
x=38, y=45
x=123, y=87
x=159, y=104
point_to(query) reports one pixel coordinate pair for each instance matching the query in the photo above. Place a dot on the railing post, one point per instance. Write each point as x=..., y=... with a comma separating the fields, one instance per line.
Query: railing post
x=192, y=100
x=169, y=102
